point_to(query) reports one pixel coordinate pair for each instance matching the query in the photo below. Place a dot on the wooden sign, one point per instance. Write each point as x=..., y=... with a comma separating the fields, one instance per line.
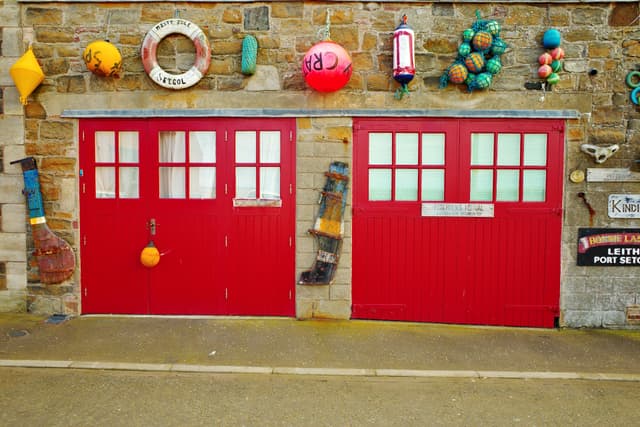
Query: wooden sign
x=612, y=175
x=624, y=206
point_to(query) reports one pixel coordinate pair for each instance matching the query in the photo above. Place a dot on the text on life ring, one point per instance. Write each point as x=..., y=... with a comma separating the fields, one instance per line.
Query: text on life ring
x=150, y=60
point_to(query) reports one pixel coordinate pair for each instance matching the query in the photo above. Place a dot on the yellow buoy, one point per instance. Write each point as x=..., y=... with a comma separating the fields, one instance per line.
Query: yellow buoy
x=103, y=59
x=150, y=256
x=26, y=74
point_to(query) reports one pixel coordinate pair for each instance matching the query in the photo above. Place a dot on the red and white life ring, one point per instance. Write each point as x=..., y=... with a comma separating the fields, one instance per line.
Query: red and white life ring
x=150, y=60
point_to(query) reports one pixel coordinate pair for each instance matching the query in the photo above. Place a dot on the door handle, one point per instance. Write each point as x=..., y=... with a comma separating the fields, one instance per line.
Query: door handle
x=151, y=225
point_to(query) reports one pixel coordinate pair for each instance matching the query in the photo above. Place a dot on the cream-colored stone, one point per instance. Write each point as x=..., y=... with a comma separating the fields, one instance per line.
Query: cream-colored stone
x=12, y=130
x=14, y=218
x=12, y=44
x=266, y=78
x=13, y=301
x=337, y=309
x=11, y=189
x=12, y=153
x=13, y=247
x=16, y=275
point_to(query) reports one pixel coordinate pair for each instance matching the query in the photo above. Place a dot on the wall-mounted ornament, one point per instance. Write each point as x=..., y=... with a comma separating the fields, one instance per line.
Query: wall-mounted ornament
x=249, y=55
x=150, y=47
x=633, y=81
x=599, y=154
x=478, y=60
x=551, y=60
x=328, y=227
x=404, y=63
x=103, y=59
x=327, y=65
x=56, y=259
x=26, y=74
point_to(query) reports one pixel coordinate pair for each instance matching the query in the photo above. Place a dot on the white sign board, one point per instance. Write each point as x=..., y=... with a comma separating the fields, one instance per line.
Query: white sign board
x=612, y=175
x=624, y=206
x=479, y=210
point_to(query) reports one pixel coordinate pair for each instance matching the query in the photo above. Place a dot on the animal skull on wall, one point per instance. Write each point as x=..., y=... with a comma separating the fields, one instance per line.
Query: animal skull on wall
x=600, y=154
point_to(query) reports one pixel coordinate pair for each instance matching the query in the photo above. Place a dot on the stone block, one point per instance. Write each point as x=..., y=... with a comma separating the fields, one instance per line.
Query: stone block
x=11, y=189
x=312, y=292
x=582, y=319
x=43, y=305
x=13, y=247
x=266, y=78
x=12, y=41
x=16, y=275
x=339, y=309
x=13, y=218
x=13, y=301
x=304, y=309
x=340, y=292
x=12, y=130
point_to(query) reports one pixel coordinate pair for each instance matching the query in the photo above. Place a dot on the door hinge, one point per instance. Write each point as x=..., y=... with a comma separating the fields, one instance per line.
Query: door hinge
x=290, y=242
x=226, y=241
x=226, y=293
x=290, y=189
x=289, y=294
x=226, y=190
x=83, y=136
x=290, y=136
x=84, y=188
x=84, y=240
x=226, y=136
x=85, y=292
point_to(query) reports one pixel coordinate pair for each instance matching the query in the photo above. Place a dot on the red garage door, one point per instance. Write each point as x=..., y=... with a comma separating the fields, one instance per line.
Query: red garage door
x=215, y=196
x=457, y=221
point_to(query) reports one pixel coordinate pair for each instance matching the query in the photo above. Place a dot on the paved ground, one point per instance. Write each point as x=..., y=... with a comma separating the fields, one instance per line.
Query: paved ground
x=289, y=346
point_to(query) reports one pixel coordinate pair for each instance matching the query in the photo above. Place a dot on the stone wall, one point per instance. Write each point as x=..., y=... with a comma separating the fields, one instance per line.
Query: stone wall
x=603, y=37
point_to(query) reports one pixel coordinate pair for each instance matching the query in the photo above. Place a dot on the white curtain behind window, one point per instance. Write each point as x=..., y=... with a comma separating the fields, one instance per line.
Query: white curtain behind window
x=172, y=178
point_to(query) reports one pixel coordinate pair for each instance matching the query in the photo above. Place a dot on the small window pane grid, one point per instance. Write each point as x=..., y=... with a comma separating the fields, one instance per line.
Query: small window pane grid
x=508, y=167
x=187, y=164
x=257, y=165
x=117, y=170
x=406, y=166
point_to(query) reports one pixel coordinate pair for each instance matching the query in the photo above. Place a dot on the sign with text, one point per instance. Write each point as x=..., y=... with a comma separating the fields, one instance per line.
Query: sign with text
x=624, y=206
x=615, y=247
x=483, y=210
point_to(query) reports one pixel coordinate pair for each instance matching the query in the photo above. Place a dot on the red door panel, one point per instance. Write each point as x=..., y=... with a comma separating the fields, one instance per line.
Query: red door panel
x=215, y=258
x=500, y=269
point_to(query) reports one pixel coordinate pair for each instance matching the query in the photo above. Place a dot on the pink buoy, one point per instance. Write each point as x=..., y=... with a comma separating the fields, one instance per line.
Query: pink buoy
x=327, y=66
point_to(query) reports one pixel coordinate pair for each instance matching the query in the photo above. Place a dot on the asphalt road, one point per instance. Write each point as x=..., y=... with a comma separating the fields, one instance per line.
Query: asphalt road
x=66, y=397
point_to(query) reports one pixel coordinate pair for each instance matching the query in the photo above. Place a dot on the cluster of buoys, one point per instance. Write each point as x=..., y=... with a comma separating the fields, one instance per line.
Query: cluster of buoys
x=478, y=59
x=551, y=61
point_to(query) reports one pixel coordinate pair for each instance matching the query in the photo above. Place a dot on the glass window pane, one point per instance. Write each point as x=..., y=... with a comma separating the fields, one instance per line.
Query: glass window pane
x=379, y=184
x=433, y=184
x=406, y=148
x=202, y=147
x=406, y=184
x=433, y=148
x=105, y=147
x=482, y=149
x=270, y=147
x=172, y=147
x=105, y=183
x=128, y=147
x=129, y=183
x=535, y=149
x=246, y=147
x=246, y=183
x=172, y=183
x=507, y=185
x=534, y=186
x=380, y=148
x=509, y=149
x=481, y=185
x=270, y=183
x=202, y=183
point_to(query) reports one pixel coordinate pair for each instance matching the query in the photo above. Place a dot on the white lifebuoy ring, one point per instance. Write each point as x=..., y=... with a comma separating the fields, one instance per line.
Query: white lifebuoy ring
x=150, y=60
